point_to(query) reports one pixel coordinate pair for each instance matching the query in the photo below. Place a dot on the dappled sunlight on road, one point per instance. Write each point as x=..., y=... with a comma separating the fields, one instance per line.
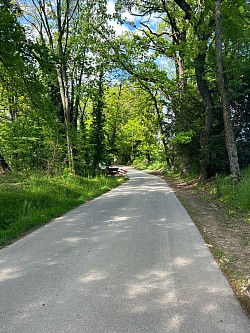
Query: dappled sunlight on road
x=138, y=186
x=10, y=273
x=182, y=261
x=212, y=307
x=93, y=276
x=154, y=296
x=149, y=282
x=72, y=240
x=128, y=261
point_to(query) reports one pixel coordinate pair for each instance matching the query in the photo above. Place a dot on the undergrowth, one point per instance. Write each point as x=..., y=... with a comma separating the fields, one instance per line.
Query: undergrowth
x=29, y=201
x=237, y=197
x=142, y=165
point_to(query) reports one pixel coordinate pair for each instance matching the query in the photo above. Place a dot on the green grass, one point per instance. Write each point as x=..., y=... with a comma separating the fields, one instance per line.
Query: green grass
x=234, y=196
x=27, y=202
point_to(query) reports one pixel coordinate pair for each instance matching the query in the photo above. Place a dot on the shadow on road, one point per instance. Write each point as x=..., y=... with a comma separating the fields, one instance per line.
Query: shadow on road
x=116, y=264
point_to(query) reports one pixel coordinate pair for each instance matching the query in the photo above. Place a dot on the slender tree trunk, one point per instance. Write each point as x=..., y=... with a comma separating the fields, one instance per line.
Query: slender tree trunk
x=62, y=14
x=161, y=126
x=208, y=102
x=112, y=138
x=75, y=97
x=180, y=74
x=64, y=93
x=221, y=82
x=179, y=68
x=97, y=135
x=62, y=29
x=66, y=109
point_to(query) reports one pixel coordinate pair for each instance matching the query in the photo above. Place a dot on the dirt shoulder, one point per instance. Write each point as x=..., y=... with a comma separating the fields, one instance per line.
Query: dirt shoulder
x=226, y=233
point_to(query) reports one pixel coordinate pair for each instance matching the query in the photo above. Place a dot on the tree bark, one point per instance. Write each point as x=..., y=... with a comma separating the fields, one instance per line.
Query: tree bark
x=62, y=28
x=223, y=90
x=161, y=126
x=208, y=102
x=63, y=85
x=58, y=48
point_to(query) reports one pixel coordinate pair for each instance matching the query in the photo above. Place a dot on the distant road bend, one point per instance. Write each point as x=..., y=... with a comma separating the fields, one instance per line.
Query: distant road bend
x=130, y=261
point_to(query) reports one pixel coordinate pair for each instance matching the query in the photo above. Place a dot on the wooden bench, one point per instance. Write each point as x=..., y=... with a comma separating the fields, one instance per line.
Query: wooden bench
x=112, y=171
x=115, y=171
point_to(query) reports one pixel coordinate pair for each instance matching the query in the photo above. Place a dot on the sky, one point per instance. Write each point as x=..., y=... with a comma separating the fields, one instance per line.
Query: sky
x=152, y=22
x=119, y=29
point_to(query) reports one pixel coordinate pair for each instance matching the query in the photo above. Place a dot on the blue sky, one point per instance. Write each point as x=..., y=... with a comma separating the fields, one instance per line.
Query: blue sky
x=152, y=22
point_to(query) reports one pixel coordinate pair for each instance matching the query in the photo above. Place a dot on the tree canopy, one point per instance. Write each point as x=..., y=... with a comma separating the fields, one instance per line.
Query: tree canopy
x=174, y=86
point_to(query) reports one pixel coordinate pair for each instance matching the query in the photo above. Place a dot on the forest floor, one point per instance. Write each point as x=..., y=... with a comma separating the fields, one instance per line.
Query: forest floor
x=225, y=232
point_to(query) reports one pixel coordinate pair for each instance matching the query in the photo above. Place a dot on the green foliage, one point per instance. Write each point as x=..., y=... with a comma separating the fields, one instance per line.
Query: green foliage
x=27, y=201
x=155, y=106
x=234, y=196
x=154, y=165
x=131, y=123
x=183, y=137
x=12, y=35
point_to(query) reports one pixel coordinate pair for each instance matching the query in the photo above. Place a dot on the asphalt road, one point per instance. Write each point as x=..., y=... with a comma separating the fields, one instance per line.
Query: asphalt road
x=129, y=261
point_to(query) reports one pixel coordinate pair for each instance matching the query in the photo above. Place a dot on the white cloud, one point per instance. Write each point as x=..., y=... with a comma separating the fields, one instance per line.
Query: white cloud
x=128, y=16
x=110, y=7
x=119, y=29
x=111, y=11
x=151, y=21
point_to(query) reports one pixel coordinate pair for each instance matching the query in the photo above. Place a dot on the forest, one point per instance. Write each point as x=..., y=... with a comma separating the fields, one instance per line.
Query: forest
x=85, y=83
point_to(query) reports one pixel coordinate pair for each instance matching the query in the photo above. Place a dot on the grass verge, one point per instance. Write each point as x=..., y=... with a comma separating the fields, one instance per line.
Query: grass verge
x=27, y=202
x=237, y=197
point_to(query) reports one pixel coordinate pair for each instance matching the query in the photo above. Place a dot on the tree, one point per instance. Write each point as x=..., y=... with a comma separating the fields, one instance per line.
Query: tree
x=180, y=23
x=221, y=81
x=98, y=153
x=131, y=123
x=66, y=28
x=57, y=101
x=13, y=69
x=185, y=34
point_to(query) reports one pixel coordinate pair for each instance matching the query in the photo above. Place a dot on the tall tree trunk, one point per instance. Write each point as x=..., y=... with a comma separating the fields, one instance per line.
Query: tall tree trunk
x=180, y=74
x=221, y=82
x=112, y=138
x=63, y=85
x=208, y=102
x=161, y=126
x=75, y=103
x=62, y=15
x=64, y=89
x=97, y=135
x=179, y=69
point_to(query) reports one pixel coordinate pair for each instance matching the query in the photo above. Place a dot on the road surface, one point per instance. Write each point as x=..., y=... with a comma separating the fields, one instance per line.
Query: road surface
x=130, y=261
